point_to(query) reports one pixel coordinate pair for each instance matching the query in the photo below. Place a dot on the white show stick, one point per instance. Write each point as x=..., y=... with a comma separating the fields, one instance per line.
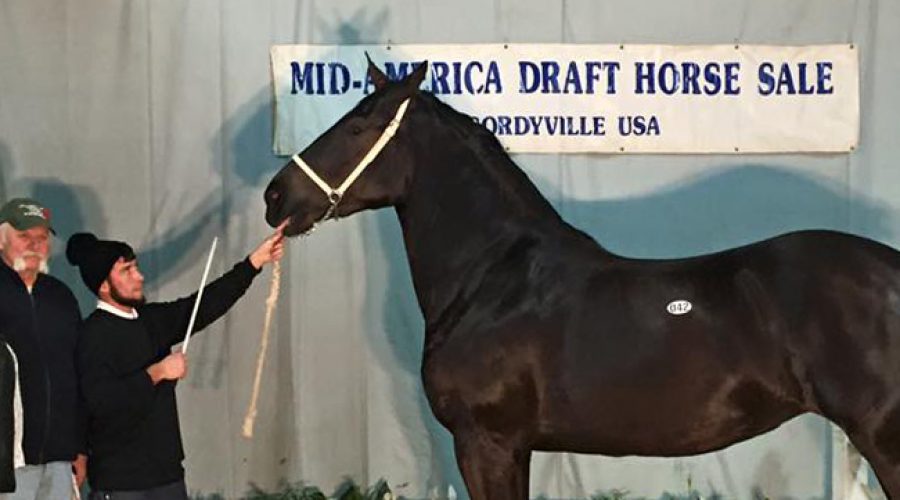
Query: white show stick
x=187, y=335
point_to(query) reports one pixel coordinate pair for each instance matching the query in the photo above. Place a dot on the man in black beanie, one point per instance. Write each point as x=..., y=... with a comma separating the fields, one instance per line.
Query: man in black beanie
x=128, y=372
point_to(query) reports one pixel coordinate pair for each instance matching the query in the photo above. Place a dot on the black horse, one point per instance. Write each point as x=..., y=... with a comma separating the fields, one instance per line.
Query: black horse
x=537, y=338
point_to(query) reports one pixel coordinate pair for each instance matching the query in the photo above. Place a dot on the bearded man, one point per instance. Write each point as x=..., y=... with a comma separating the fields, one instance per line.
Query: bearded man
x=128, y=370
x=39, y=322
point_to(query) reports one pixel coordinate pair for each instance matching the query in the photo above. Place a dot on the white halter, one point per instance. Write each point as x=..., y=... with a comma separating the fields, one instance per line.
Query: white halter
x=335, y=195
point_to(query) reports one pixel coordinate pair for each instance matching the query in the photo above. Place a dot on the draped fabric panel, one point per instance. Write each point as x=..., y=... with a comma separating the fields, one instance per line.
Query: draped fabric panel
x=151, y=121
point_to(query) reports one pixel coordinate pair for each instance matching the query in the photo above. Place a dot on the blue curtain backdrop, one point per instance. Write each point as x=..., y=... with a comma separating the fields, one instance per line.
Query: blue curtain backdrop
x=151, y=121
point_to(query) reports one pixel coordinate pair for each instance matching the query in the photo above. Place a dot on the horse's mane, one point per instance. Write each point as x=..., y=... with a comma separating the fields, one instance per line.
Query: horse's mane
x=496, y=160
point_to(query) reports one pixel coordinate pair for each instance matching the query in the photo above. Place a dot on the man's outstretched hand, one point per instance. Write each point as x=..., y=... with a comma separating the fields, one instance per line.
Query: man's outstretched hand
x=270, y=250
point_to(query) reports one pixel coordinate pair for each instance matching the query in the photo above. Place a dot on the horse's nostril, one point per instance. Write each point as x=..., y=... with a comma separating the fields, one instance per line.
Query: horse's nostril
x=273, y=196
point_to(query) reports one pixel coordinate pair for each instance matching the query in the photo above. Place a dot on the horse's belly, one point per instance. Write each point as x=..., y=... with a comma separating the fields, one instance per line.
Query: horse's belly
x=666, y=441
x=657, y=425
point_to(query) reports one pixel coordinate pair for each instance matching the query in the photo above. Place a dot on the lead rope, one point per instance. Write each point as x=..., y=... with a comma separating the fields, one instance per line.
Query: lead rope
x=274, y=288
x=250, y=417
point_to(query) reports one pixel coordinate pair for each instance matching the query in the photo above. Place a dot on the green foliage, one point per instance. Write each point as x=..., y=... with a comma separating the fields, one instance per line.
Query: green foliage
x=349, y=490
x=286, y=491
x=614, y=494
x=211, y=496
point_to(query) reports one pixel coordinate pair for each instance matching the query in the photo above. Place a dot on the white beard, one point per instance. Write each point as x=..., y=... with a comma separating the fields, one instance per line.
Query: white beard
x=19, y=265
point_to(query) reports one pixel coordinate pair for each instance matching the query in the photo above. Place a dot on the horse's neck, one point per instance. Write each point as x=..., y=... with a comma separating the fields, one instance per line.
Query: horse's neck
x=460, y=215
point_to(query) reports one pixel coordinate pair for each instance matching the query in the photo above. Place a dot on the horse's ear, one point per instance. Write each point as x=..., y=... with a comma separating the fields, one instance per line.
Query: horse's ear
x=413, y=81
x=378, y=78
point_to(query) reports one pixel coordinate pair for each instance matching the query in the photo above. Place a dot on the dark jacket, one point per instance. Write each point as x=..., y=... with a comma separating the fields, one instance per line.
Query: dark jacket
x=42, y=329
x=134, y=442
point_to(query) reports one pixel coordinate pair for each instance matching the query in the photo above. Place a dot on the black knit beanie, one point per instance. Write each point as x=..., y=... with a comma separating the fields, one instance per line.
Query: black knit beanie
x=95, y=258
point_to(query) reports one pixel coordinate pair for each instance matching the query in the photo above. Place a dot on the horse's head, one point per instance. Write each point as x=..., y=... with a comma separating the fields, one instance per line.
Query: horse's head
x=332, y=177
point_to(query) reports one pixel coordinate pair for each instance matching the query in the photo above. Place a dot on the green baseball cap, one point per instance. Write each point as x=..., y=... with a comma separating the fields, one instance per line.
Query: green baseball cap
x=25, y=213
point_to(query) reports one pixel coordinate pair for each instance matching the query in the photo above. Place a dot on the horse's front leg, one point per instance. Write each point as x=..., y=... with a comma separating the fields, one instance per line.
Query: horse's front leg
x=492, y=467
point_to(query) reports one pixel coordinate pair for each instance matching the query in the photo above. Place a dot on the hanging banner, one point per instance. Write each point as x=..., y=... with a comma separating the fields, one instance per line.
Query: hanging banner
x=545, y=98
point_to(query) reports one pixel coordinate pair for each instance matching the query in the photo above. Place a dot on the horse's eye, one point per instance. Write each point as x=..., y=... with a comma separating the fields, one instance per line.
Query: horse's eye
x=355, y=130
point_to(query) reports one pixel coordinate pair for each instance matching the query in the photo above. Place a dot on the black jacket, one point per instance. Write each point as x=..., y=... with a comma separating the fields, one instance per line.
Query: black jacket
x=42, y=329
x=134, y=440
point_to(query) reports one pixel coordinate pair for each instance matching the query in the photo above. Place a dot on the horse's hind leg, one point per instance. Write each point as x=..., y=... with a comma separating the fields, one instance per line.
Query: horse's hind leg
x=879, y=442
x=492, y=469
x=886, y=468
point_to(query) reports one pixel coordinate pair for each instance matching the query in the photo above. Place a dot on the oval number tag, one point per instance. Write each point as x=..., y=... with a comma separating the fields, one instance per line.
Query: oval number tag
x=679, y=307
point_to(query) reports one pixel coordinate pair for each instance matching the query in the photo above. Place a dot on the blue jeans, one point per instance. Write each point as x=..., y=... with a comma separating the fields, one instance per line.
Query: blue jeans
x=52, y=481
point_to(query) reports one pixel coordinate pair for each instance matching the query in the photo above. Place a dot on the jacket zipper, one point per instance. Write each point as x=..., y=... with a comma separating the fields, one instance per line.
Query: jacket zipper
x=34, y=318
